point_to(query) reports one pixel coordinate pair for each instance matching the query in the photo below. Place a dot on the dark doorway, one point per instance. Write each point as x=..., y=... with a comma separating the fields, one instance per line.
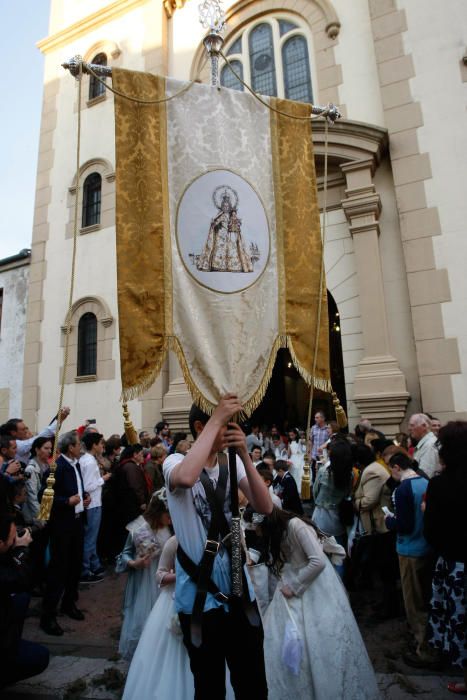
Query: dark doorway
x=287, y=396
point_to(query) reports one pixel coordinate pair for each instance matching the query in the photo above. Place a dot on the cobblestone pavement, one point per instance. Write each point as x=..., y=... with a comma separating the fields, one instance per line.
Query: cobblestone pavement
x=85, y=664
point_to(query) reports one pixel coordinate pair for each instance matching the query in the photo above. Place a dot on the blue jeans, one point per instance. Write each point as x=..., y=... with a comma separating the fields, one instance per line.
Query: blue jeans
x=91, y=561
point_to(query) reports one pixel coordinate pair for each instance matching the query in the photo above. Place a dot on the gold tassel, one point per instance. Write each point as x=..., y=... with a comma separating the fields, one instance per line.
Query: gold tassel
x=130, y=431
x=48, y=495
x=341, y=418
x=306, y=481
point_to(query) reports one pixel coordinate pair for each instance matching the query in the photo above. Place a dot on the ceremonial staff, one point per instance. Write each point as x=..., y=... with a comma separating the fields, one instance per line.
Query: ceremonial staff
x=235, y=529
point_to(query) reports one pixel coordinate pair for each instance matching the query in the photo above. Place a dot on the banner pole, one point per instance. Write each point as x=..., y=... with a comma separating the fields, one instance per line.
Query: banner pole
x=236, y=534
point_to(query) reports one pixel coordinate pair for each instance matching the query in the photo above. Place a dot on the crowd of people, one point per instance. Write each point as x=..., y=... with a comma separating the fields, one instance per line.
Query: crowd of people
x=384, y=514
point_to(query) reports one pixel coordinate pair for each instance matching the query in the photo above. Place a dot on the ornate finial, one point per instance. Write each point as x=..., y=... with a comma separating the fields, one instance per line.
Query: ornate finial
x=306, y=481
x=130, y=431
x=74, y=65
x=48, y=495
x=212, y=16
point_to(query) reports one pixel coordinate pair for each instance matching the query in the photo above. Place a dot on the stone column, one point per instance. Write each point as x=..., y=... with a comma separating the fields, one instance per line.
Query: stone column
x=176, y=403
x=380, y=390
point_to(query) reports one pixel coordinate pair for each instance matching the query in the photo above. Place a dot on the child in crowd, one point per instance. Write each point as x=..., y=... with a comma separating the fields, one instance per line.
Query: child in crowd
x=140, y=557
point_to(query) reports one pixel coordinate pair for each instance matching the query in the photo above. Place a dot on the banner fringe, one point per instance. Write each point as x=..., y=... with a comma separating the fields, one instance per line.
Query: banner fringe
x=173, y=343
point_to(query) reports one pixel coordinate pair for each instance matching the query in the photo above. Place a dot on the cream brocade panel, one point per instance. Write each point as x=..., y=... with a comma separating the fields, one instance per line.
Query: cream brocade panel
x=235, y=356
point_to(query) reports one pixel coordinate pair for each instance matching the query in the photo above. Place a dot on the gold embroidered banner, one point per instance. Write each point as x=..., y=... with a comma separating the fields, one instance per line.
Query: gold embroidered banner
x=218, y=239
x=143, y=273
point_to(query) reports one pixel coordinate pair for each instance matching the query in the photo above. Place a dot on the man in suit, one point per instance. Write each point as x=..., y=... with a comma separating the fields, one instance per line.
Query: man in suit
x=66, y=537
x=285, y=486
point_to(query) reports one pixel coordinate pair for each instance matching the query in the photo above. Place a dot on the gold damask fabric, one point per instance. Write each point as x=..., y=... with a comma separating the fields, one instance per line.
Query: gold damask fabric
x=143, y=272
x=299, y=243
x=218, y=239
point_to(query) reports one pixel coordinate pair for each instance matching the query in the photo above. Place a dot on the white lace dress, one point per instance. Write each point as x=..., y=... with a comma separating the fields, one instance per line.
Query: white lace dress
x=334, y=661
x=297, y=457
x=160, y=669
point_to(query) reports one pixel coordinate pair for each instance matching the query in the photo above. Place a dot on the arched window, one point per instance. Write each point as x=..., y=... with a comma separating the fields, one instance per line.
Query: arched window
x=273, y=56
x=228, y=79
x=296, y=66
x=92, y=200
x=87, y=345
x=262, y=64
x=95, y=87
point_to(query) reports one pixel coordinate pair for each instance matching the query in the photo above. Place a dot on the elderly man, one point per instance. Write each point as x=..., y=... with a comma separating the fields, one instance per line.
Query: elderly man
x=66, y=525
x=425, y=453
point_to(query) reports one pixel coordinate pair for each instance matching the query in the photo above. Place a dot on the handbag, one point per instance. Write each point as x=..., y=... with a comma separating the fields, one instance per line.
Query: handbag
x=346, y=511
x=292, y=644
x=364, y=544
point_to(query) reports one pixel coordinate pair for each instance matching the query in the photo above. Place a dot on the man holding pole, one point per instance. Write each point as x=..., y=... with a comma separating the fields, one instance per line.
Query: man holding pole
x=218, y=625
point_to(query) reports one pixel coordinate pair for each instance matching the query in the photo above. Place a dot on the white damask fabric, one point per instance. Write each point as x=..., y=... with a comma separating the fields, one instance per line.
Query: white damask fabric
x=222, y=227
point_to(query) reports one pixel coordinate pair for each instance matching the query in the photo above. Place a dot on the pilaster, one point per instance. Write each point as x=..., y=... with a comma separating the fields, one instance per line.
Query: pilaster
x=380, y=389
x=177, y=402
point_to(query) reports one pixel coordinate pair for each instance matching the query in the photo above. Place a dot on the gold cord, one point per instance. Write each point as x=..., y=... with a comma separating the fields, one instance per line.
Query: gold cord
x=312, y=117
x=321, y=276
x=184, y=89
x=47, y=498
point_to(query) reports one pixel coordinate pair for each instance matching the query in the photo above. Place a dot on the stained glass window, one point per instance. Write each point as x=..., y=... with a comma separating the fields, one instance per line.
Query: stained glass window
x=228, y=79
x=262, y=65
x=296, y=67
x=236, y=47
x=285, y=26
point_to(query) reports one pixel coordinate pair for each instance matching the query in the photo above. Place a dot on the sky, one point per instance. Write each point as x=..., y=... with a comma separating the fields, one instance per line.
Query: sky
x=23, y=23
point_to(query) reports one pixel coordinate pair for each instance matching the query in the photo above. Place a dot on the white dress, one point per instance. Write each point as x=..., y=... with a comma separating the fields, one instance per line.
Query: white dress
x=297, y=457
x=334, y=661
x=141, y=590
x=160, y=669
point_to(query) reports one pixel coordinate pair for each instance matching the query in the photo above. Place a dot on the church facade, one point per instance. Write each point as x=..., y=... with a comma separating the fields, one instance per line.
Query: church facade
x=394, y=245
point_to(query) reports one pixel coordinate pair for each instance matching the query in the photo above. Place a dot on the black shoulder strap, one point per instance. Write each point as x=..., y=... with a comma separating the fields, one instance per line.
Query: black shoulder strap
x=216, y=498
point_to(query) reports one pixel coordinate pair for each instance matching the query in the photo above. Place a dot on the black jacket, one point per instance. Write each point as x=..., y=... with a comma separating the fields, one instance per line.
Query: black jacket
x=445, y=528
x=15, y=577
x=286, y=488
x=66, y=485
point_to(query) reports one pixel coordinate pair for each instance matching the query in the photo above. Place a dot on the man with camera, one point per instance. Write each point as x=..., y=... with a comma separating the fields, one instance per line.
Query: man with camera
x=11, y=468
x=20, y=659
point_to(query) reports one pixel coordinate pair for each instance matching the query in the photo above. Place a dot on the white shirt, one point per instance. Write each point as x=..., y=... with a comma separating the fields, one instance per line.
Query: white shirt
x=426, y=454
x=79, y=507
x=92, y=479
x=23, y=447
x=191, y=514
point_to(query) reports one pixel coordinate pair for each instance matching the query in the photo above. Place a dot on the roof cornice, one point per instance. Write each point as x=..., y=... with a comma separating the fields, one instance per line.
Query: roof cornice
x=86, y=24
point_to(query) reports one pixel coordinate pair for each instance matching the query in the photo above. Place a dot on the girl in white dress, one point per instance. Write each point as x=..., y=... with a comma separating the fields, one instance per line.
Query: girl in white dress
x=147, y=536
x=296, y=452
x=325, y=656
x=160, y=669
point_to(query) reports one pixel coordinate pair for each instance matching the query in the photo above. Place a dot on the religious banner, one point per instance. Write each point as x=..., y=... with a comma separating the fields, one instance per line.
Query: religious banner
x=218, y=239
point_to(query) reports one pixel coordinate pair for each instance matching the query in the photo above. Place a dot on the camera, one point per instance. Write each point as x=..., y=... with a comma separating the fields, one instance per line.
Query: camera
x=24, y=473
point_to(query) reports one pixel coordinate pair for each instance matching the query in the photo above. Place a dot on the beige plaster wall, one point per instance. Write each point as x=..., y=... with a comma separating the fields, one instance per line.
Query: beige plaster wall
x=341, y=278
x=395, y=285
x=436, y=39
x=139, y=36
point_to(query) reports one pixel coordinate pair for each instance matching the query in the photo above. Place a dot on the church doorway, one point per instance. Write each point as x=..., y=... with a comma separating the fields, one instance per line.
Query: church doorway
x=286, y=401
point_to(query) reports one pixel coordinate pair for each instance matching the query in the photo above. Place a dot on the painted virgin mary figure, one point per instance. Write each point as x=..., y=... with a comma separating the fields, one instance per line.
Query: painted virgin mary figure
x=224, y=250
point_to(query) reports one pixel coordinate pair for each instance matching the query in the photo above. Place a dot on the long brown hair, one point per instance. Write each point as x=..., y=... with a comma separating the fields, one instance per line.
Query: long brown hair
x=155, y=510
x=273, y=528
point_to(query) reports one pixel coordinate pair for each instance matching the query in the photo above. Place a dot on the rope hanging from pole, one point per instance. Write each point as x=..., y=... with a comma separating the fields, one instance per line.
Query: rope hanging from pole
x=48, y=495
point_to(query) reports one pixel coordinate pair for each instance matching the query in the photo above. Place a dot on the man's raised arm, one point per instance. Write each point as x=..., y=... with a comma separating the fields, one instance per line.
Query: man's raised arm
x=209, y=440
